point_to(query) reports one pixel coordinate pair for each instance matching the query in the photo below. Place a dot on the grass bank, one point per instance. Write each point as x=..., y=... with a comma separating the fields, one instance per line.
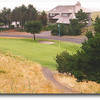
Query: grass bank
x=18, y=76
x=44, y=54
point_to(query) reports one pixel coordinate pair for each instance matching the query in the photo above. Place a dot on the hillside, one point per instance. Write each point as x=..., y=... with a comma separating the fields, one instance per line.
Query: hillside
x=20, y=76
x=82, y=87
x=95, y=14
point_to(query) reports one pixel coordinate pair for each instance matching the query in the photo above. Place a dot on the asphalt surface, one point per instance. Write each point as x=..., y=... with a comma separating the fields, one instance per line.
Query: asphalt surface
x=49, y=76
x=46, y=35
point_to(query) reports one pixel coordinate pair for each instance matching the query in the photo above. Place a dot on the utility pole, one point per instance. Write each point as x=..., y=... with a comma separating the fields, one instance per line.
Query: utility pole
x=59, y=34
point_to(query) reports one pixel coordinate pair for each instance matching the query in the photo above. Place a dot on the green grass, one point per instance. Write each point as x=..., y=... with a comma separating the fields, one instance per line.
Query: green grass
x=44, y=54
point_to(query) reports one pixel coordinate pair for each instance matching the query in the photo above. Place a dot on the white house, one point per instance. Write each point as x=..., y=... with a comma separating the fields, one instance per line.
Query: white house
x=63, y=14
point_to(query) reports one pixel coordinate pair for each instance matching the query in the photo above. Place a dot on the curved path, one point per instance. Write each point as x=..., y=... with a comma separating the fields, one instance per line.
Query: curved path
x=49, y=76
x=43, y=35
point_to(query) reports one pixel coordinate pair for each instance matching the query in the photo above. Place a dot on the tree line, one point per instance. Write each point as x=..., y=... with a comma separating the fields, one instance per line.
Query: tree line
x=22, y=14
x=85, y=64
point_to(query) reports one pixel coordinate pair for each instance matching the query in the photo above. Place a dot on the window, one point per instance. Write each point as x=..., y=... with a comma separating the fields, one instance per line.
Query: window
x=52, y=14
x=65, y=14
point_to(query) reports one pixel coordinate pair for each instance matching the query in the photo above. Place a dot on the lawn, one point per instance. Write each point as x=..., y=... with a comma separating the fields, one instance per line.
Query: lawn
x=44, y=54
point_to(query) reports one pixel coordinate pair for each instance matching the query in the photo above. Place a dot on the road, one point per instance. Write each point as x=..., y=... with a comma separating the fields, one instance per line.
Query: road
x=44, y=35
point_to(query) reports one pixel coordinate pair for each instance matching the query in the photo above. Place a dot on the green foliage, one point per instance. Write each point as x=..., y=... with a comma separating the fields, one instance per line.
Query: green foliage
x=86, y=63
x=48, y=27
x=82, y=18
x=97, y=24
x=20, y=14
x=24, y=14
x=89, y=34
x=1, y=24
x=43, y=18
x=20, y=29
x=11, y=26
x=63, y=60
x=33, y=27
x=75, y=27
x=5, y=16
x=63, y=29
x=3, y=29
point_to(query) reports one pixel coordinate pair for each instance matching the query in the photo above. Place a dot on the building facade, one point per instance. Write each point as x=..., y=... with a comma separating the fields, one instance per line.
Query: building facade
x=63, y=14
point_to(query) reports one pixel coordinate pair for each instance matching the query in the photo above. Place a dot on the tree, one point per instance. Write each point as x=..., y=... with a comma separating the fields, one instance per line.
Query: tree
x=16, y=14
x=62, y=27
x=86, y=63
x=5, y=16
x=77, y=24
x=33, y=27
x=82, y=18
x=43, y=18
x=75, y=27
x=97, y=24
x=24, y=14
x=32, y=13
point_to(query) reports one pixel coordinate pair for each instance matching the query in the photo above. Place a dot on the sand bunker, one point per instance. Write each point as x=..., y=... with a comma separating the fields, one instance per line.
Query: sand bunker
x=46, y=42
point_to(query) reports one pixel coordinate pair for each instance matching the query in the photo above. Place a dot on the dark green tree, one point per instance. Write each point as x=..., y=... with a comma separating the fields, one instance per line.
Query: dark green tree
x=97, y=24
x=86, y=63
x=32, y=13
x=75, y=27
x=24, y=14
x=5, y=16
x=82, y=18
x=43, y=18
x=33, y=27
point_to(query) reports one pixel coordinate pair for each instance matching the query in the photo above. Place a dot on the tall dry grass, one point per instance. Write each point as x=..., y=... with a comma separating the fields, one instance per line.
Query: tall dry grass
x=21, y=76
x=82, y=87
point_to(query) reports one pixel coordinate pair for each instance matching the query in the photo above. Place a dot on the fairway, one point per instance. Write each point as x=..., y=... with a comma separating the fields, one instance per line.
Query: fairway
x=44, y=54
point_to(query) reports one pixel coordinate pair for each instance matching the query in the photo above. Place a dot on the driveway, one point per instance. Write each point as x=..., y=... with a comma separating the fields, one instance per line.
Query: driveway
x=44, y=35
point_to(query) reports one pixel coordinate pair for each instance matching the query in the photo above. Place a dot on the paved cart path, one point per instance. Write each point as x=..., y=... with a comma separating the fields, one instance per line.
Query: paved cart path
x=49, y=76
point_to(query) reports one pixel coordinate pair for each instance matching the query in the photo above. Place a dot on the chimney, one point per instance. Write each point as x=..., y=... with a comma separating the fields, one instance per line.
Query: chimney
x=78, y=4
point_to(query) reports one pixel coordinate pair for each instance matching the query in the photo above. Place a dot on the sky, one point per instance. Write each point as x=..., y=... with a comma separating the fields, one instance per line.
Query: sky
x=50, y=4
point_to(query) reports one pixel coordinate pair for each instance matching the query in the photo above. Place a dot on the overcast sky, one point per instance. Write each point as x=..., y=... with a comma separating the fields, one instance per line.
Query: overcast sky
x=49, y=4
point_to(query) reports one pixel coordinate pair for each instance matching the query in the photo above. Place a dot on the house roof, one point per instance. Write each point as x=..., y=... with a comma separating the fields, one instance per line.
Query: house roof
x=63, y=20
x=56, y=17
x=63, y=9
x=69, y=9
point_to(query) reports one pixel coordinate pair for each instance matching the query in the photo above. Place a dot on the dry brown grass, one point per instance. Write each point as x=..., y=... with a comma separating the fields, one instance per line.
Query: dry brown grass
x=18, y=76
x=82, y=87
x=94, y=15
x=86, y=29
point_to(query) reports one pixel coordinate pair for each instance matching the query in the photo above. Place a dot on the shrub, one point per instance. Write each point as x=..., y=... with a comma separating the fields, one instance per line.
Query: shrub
x=64, y=61
x=4, y=29
x=20, y=29
x=74, y=27
x=89, y=34
x=63, y=30
x=97, y=24
x=86, y=63
x=1, y=24
x=49, y=27
x=11, y=26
